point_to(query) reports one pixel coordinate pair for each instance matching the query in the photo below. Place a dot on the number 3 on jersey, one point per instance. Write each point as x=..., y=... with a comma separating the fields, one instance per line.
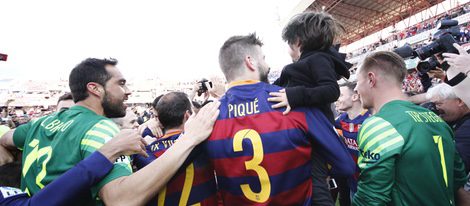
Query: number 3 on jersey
x=253, y=164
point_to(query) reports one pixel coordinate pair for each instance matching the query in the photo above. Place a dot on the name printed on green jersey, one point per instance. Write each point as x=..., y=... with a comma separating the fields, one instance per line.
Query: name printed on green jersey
x=424, y=117
x=56, y=125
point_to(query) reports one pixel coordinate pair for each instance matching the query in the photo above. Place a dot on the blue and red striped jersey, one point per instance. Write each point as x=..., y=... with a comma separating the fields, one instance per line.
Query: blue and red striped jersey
x=193, y=183
x=348, y=129
x=262, y=157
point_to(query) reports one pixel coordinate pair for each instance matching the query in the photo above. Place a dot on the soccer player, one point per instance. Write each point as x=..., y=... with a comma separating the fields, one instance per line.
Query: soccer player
x=348, y=124
x=55, y=143
x=79, y=179
x=127, y=122
x=194, y=183
x=407, y=153
x=65, y=101
x=262, y=157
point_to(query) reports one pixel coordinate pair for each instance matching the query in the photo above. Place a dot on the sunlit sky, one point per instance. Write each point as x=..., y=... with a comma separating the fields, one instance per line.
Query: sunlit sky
x=166, y=39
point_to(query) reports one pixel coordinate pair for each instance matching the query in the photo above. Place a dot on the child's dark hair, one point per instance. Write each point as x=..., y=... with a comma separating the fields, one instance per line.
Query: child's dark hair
x=313, y=30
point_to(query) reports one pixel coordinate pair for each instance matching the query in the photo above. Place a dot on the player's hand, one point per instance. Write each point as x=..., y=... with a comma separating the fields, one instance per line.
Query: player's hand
x=126, y=142
x=154, y=125
x=149, y=139
x=280, y=97
x=5, y=156
x=437, y=73
x=459, y=61
x=199, y=126
x=217, y=90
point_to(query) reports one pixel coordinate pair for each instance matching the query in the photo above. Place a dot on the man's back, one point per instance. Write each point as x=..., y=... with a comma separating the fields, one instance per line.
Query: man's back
x=56, y=143
x=409, y=153
x=263, y=157
x=194, y=183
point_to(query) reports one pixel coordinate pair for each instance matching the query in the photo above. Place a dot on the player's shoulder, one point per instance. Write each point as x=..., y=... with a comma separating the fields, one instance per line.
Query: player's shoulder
x=270, y=87
x=375, y=126
x=342, y=116
x=103, y=125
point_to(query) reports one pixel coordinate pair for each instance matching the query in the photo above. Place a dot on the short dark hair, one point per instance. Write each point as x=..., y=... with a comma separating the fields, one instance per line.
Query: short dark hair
x=233, y=51
x=171, y=109
x=387, y=62
x=155, y=101
x=349, y=85
x=66, y=96
x=314, y=30
x=89, y=70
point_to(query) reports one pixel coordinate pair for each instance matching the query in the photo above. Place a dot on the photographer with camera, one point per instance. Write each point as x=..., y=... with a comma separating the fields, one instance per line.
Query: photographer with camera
x=457, y=114
x=459, y=70
x=205, y=91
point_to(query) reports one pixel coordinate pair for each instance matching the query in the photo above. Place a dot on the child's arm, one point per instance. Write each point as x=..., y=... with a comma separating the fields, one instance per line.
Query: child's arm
x=326, y=91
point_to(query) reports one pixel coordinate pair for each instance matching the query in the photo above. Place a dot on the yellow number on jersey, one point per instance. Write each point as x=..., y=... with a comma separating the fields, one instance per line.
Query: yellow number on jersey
x=188, y=183
x=253, y=164
x=35, y=155
x=438, y=141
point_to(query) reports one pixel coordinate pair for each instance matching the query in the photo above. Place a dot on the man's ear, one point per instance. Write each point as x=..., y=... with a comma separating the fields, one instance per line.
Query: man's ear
x=95, y=89
x=249, y=62
x=355, y=97
x=461, y=103
x=371, y=79
x=186, y=116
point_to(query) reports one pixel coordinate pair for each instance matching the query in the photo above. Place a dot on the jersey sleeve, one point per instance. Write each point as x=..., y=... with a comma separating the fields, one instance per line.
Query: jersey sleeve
x=379, y=146
x=330, y=145
x=75, y=181
x=95, y=138
x=20, y=133
x=460, y=178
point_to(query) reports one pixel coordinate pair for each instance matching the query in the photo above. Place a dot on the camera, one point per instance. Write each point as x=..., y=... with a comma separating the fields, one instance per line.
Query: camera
x=203, y=88
x=431, y=64
x=443, y=39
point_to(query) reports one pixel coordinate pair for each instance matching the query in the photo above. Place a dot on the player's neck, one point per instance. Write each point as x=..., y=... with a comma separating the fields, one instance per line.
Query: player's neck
x=174, y=130
x=383, y=97
x=91, y=105
x=355, y=110
x=244, y=77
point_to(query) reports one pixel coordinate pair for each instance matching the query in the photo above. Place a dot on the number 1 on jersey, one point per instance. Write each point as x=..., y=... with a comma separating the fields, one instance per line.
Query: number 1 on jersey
x=438, y=141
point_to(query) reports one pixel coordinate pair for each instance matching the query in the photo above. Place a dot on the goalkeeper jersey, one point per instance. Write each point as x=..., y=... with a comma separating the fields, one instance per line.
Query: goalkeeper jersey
x=53, y=144
x=262, y=157
x=407, y=157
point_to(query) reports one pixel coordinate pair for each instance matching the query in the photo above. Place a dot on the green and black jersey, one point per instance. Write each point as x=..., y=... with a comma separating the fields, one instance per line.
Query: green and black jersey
x=55, y=143
x=407, y=157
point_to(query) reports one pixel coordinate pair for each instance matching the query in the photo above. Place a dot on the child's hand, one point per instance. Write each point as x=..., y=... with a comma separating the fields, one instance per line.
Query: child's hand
x=280, y=97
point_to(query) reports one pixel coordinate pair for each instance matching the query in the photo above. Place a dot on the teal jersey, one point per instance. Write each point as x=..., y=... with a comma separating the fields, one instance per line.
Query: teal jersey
x=407, y=157
x=53, y=144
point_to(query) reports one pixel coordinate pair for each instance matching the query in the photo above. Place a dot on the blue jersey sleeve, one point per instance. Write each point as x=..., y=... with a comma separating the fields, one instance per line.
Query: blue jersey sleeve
x=69, y=186
x=147, y=132
x=328, y=143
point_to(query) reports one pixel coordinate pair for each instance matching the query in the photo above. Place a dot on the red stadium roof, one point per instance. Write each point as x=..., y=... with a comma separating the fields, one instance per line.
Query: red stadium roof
x=364, y=17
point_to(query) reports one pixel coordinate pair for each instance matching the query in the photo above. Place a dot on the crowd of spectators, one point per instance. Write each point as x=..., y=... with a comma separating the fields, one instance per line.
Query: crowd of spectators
x=418, y=28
